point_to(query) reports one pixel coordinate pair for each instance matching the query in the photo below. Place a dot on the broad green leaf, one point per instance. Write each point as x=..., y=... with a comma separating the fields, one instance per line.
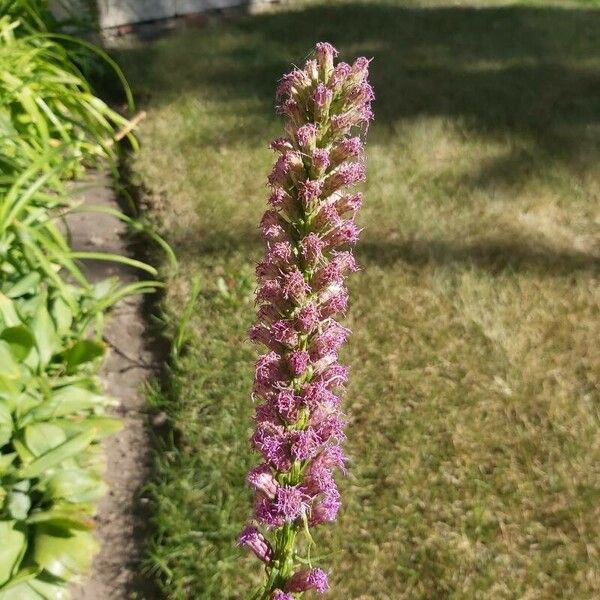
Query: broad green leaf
x=49, y=590
x=45, y=334
x=57, y=455
x=18, y=505
x=22, y=591
x=63, y=514
x=63, y=553
x=6, y=424
x=62, y=314
x=35, y=589
x=66, y=401
x=11, y=549
x=20, y=339
x=26, y=401
x=9, y=367
x=74, y=485
x=83, y=351
x=9, y=589
x=8, y=312
x=43, y=437
x=6, y=461
x=10, y=391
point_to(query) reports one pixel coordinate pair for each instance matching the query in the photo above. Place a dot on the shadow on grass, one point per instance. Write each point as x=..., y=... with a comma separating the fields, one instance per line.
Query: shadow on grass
x=493, y=256
x=524, y=71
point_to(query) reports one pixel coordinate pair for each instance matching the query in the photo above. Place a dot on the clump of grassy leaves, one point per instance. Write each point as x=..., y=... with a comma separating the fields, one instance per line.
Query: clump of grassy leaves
x=52, y=407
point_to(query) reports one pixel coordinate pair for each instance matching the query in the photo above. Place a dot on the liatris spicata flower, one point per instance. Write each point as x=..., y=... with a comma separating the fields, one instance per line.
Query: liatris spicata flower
x=308, y=232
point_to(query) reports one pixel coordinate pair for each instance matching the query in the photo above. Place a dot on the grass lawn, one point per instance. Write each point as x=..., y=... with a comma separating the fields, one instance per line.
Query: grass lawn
x=474, y=397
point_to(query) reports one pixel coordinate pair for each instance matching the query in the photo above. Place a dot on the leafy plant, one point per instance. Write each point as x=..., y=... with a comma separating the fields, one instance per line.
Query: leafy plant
x=37, y=16
x=52, y=407
x=51, y=420
x=46, y=104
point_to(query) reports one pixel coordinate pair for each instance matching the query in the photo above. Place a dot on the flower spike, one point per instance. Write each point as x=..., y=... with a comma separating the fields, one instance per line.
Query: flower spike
x=308, y=232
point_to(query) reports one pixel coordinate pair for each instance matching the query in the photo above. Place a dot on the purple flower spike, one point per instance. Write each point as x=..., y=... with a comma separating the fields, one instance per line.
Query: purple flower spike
x=308, y=232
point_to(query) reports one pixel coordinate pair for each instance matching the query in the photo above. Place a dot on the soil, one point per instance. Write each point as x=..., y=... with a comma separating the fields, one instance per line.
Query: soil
x=121, y=522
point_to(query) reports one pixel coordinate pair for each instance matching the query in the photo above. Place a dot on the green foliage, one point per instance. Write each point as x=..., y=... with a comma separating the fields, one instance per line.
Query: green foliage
x=52, y=406
x=47, y=107
x=51, y=420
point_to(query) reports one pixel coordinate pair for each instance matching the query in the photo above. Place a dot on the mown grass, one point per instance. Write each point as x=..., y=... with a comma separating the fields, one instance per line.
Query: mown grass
x=474, y=394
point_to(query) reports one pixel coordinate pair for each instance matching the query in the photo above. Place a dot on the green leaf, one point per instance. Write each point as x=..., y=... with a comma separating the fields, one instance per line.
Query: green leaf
x=20, y=339
x=104, y=287
x=22, y=591
x=6, y=424
x=25, y=285
x=44, y=333
x=8, y=312
x=18, y=581
x=104, y=426
x=83, y=351
x=115, y=258
x=25, y=402
x=22, y=451
x=57, y=455
x=74, y=485
x=9, y=367
x=49, y=590
x=10, y=391
x=43, y=437
x=11, y=549
x=66, y=401
x=18, y=505
x=63, y=553
x=6, y=461
x=63, y=315
x=34, y=588
x=63, y=515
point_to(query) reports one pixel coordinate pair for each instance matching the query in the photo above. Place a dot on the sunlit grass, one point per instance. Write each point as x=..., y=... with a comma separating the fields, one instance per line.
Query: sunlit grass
x=473, y=400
